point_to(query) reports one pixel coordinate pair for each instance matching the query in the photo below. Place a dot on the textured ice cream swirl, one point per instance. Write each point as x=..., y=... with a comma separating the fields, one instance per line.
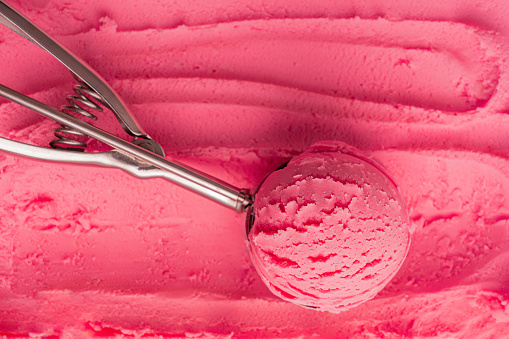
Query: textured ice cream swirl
x=330, y=229
x=235, y=88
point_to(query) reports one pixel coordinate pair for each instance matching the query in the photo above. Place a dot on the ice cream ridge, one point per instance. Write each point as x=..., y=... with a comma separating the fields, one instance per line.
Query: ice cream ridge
x=330, y=228
x=389, y=220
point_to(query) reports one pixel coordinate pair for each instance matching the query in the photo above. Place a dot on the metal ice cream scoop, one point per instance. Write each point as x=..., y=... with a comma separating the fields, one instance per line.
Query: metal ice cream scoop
x=143, y=157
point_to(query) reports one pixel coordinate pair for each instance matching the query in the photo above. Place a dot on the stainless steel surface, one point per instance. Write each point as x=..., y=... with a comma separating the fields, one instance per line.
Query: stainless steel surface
x=80, y=103
x=21, y=25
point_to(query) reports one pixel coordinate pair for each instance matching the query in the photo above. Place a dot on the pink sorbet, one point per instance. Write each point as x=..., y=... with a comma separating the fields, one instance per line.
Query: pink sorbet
x=235, y=88
x=330, y=229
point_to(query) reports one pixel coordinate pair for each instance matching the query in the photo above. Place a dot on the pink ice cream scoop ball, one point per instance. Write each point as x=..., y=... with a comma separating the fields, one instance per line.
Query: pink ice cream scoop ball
x=330, y=229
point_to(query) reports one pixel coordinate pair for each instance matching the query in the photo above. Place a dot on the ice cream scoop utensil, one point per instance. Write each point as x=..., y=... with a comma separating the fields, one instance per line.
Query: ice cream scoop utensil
x=21, y=25
x=143, y=157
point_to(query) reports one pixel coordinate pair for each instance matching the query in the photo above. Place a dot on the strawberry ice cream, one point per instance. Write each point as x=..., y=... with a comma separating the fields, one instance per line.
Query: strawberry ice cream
x=330, y=229
x=236, y=89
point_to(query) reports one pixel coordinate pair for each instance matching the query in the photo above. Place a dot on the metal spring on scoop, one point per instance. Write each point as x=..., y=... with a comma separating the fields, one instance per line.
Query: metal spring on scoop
x=83, y=100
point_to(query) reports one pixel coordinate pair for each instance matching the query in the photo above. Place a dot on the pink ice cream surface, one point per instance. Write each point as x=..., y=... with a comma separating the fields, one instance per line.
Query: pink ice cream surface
x=235, y=88
x=330, y=229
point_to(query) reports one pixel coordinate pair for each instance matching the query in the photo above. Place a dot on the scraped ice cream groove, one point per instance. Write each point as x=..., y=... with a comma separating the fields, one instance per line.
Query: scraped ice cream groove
x=347, y=31
x=185, y=46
